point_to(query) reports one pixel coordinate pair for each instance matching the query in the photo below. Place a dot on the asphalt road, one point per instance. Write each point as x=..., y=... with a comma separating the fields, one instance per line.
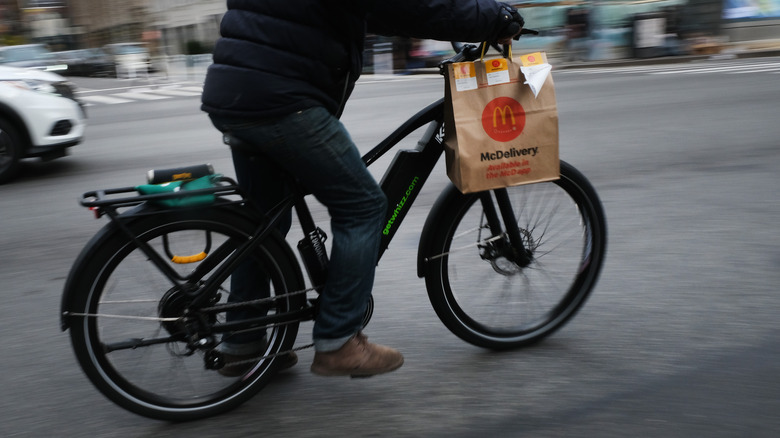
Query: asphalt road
x=679, y=339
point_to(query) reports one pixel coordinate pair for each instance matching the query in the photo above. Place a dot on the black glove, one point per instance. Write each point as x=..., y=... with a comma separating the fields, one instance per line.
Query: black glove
x=510, y=22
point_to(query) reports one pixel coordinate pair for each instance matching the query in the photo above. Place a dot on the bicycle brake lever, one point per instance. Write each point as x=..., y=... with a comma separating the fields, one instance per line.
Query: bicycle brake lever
x=525, y=31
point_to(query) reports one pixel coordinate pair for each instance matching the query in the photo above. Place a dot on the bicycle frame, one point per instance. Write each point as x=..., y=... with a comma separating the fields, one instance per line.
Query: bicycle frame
x=401, y=184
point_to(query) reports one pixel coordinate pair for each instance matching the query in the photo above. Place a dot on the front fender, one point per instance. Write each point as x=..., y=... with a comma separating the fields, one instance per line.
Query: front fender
x=433, y=224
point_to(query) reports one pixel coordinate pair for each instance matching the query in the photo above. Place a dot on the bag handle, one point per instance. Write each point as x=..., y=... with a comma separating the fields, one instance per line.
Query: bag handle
x=506, y=52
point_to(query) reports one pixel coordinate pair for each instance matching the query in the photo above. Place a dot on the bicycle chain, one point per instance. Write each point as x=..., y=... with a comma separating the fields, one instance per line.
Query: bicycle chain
x=229, y=306
x=251, y=360
x=218, y=307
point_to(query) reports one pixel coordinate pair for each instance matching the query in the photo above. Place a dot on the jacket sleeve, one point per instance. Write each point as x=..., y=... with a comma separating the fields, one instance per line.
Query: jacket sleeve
x=446, y=20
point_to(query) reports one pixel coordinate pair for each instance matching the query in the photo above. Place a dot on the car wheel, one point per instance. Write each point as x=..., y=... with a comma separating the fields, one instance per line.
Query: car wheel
x=10, y=151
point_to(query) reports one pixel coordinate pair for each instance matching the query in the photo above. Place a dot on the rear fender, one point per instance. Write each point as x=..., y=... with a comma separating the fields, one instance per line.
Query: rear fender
x=85, y=258
x=81, y=263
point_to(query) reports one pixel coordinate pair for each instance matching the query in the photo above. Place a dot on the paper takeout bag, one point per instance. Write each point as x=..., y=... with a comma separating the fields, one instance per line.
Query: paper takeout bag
x=497, y=132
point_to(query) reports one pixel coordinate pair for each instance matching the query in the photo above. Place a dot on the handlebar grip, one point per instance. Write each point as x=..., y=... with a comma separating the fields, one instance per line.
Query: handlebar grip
x=186, y=173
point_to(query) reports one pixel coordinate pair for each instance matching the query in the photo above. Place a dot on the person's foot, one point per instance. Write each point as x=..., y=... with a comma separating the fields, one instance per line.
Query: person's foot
x=283, y=362
x=357, y=358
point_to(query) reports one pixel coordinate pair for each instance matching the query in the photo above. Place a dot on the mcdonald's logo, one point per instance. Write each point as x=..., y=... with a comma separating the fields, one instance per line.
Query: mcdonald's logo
x=503, y=119
x=503, y=111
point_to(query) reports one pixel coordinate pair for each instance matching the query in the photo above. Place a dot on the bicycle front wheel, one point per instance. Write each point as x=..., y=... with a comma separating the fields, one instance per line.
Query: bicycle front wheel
x=136, y=333
x=488, y=299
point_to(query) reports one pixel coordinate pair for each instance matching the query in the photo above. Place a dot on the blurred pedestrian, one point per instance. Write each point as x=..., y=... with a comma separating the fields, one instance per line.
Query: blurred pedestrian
x=577, y=33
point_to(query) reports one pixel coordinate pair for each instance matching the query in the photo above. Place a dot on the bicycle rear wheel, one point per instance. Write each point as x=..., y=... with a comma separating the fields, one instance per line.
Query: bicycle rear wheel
x=139, y=339
x=488, y=300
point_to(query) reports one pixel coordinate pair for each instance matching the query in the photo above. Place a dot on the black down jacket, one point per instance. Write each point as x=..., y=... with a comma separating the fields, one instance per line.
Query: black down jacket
x=276, y=57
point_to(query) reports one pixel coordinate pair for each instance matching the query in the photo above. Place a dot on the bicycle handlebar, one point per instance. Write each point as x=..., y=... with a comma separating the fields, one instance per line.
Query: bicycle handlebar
x=471, y=52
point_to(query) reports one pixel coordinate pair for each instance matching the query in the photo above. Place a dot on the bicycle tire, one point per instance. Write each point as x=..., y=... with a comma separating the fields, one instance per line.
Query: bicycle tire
x=165, y=381
x=497, y=304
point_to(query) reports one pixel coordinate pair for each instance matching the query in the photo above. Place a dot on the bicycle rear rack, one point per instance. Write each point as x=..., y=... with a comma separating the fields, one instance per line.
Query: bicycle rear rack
x=102, y=201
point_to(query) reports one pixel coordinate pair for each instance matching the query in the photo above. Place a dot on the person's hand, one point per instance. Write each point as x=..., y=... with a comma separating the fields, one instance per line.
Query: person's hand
x=508, y=40
x=511, y=25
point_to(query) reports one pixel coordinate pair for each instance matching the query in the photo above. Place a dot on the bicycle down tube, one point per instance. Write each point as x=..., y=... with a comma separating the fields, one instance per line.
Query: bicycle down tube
x=410, y=169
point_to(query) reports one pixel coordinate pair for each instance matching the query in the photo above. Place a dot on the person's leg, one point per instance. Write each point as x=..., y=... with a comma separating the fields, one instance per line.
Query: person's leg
x=248, y=282
x=261, y=181
x=334, y=171
x=314, y=147
x=323, y=157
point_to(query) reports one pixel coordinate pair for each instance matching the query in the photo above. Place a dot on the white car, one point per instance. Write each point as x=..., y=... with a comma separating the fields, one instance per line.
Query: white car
x=39, y=117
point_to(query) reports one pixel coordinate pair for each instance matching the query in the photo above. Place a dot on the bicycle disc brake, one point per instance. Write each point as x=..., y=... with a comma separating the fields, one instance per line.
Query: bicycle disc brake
x=502, y=257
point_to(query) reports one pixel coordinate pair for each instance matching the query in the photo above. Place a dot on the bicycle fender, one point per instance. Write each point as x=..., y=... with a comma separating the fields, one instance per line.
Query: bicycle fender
x=79, y=265
x=84, y=261
x=449, y=196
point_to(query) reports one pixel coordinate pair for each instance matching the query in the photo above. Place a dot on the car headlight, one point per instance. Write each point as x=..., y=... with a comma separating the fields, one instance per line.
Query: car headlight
x=34, y=85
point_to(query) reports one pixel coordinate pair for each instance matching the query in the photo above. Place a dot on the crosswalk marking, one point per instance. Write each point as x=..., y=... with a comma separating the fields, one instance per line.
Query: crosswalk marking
x=198, y=90
x=119, y=95
x=140, y=95
x=176, y=92
x=109, y=100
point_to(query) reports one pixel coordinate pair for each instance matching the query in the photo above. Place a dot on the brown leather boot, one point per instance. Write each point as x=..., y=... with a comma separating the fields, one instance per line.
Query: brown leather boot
x=357, y=358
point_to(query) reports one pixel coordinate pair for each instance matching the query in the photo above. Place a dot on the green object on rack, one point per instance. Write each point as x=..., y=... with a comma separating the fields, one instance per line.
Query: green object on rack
x=204, y=182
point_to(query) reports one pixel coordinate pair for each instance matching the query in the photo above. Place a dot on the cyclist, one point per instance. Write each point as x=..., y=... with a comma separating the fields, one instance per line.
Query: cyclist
x=282, y=73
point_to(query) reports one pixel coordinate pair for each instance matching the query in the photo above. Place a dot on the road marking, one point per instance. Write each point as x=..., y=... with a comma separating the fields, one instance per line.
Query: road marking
x=684, y=69
x=724, y=69
x=177, y=92
x=103, y=99
x=756, y=70
x=141, y=95
x=111, y=96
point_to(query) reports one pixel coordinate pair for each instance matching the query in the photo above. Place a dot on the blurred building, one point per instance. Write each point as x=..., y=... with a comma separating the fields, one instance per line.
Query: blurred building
x=186, y=26
x=173, y=27
x=100, y=22
x=167, y=26
x=43, y=21
x=647, y=28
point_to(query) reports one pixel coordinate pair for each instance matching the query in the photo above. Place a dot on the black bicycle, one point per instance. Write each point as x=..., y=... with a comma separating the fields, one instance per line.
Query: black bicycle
x=146, y=299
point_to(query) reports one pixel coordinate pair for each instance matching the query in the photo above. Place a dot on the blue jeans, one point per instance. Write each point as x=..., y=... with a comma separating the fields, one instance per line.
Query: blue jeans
x=315, y=148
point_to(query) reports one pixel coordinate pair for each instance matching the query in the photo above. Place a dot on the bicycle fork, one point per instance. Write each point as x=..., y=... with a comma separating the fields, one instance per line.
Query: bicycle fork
x=516, y=251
